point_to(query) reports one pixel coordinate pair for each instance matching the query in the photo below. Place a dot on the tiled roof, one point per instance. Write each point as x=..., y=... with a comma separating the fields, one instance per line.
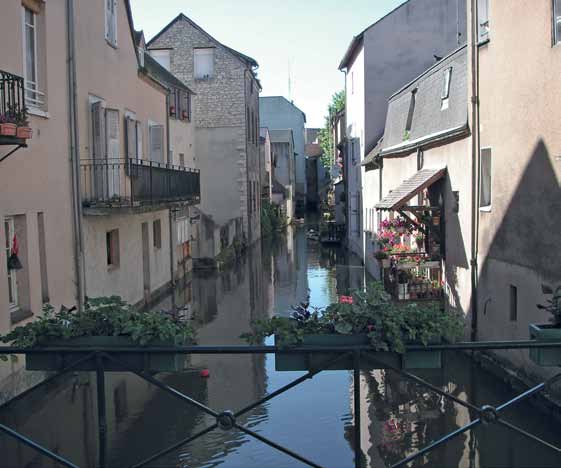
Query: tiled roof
x=398, y=197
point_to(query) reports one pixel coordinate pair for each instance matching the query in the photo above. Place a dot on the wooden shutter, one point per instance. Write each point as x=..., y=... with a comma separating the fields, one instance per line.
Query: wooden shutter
x=112, y=133
x=98, y=131
x=157, y=143
x=139, y=151
x=130, y=130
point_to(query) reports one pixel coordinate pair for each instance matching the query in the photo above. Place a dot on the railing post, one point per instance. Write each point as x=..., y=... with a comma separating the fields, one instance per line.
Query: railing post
x=131, y=179
x=101, y=410
x=357, y=421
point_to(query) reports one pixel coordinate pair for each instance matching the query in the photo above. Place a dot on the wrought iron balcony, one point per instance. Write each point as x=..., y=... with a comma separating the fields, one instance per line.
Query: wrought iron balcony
x=124, y=184
x=12, y=108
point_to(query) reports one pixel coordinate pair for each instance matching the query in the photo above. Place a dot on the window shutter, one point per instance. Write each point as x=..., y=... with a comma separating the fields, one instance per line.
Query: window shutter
x=112, y=132
x=157, y=143
x=204, y=63
x=483, y=20
x=130, y=137
x=138, y=140
x=108, y=20
x=114, y=17
x=98, y=131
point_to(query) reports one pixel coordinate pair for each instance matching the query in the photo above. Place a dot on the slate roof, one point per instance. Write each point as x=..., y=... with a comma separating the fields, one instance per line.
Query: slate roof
x=433, y=118
x=372, y=156
x=399, y=196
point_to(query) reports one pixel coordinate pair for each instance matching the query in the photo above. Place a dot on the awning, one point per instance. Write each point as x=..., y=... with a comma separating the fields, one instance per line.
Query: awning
x=399, y=197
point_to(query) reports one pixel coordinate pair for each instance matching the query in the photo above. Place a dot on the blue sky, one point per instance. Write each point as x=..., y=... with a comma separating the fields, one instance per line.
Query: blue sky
x=310, y=34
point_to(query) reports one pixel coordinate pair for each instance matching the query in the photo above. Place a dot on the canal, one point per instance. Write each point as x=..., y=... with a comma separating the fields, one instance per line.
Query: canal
x=314, y=419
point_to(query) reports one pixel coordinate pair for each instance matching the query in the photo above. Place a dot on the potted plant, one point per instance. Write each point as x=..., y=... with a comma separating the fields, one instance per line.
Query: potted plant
x=383, y=257
x=23, y=130
x=8, y=126
x=548, y=332
x=105, y=322
x=371, y=319
x=184, y=115
x=172, y=111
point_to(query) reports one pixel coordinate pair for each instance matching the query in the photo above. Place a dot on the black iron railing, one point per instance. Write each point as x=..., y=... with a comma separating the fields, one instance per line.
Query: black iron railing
x=361, y=357
x=117, y=183
x=12, y=96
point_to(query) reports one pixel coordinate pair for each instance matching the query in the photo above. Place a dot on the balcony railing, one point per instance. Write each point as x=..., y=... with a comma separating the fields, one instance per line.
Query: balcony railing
x=132, y=183
x=12, y=105
x=413, y=277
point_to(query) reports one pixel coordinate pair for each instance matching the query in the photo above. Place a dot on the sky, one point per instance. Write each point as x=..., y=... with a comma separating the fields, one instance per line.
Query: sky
x=309, y=37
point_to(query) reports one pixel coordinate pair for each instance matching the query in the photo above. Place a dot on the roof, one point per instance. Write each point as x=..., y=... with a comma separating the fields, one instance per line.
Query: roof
x=244, y=58
x=372, y=156
x=281, y=136
x=313, y=150
x=289, y=102
x=435, y=120
x=161, y=74
x=399, y=197
x=357, y=40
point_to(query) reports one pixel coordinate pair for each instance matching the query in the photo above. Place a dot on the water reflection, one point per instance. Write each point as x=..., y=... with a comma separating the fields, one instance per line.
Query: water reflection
x=314, y=419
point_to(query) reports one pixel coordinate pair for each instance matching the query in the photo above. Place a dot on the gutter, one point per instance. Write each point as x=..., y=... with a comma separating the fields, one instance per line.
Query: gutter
x=170, y=211
x=75, y=159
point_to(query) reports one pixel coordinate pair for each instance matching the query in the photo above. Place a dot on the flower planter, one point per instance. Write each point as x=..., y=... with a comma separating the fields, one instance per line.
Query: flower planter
x=547, y=357
x=8, y=129
x=55, y=361
x=24, y=132
x=307, y=361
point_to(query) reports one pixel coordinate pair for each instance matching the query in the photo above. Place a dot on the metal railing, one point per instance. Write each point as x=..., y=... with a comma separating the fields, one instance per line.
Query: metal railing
x=12, y=96
x=361, y=356
x=117, y=183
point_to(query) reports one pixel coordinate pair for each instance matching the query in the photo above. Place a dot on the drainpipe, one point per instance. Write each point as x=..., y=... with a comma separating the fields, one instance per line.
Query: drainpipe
x=170, y=211
x=474, y=168
x=75, y=159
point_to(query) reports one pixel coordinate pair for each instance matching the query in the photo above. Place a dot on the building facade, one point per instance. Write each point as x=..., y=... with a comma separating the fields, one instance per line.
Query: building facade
x=278, y=113
x=226, y=107
x=420, y=32
x=265, y=165
x=284, y=177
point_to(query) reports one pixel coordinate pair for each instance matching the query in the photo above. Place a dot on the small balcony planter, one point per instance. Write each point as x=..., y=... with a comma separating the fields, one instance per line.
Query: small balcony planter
x=307, y=361
x=546, y=357
x=8, y=129
x=24, y=132
x=56, y=361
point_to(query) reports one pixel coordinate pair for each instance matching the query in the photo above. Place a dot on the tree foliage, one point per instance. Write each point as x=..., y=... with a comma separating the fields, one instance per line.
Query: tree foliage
x=325, y=136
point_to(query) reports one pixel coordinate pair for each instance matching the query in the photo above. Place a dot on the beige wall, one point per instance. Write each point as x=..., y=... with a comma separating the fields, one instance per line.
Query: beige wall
x=37, y=179
x=519, y=233
x=456, y=158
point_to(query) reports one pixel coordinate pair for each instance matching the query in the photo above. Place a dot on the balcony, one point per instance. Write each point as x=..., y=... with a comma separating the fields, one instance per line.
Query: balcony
x=135, y=185
x=13, y=112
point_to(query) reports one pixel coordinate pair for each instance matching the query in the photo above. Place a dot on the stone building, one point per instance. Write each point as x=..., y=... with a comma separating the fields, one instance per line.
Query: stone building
x=226, y=109
x=282, y=149
x=265, y=164
x=278, y=113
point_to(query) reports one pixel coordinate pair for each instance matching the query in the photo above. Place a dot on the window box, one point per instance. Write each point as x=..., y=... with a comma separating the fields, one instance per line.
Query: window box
x=8, y=129
x=546, y=357
x=25, y=132
x=56, y=361
x=306, y=361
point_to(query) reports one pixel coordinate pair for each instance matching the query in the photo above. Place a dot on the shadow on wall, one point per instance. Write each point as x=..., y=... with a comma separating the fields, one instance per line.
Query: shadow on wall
x=528, y=233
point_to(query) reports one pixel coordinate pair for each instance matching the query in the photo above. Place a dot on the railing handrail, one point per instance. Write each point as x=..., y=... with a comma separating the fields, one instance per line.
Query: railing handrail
x=139, y=162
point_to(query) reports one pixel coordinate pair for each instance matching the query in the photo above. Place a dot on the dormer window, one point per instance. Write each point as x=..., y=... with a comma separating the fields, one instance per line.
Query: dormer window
x=409, y=122
x=204, y=63
x=446, y=88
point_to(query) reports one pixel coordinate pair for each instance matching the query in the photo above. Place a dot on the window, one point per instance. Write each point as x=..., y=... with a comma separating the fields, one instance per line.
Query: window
x=409, y=122
x=112, y=245
x=34, y=98
x=204, y=63
x=556, y=21
x=162, y=56
x=513, y=303
x=447, y=80
x=133, y=137
x=157, y=143
x=10, y=235
x=182, y=159
x=43, y=258
x=483, y=21
x=157, y=234
x=111, y=22
x=180, y=107
x=486, y=178
x=248, y=124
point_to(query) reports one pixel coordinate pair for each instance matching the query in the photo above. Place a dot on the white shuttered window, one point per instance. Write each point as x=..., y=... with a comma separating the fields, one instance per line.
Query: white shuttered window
x=111, y=22
x=204, y=63
x=556, y=21
x=157, y=143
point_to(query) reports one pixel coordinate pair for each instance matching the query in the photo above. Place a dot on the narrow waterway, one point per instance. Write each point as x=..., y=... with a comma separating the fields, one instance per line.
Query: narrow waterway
x=314, y=419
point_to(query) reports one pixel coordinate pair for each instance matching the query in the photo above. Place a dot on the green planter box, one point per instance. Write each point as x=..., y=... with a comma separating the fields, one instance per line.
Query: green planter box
x=307, y=361
x=54, y=361
x=546, y=357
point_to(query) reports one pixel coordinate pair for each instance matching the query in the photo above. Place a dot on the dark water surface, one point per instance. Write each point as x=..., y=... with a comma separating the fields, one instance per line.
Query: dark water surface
x=314, y=419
